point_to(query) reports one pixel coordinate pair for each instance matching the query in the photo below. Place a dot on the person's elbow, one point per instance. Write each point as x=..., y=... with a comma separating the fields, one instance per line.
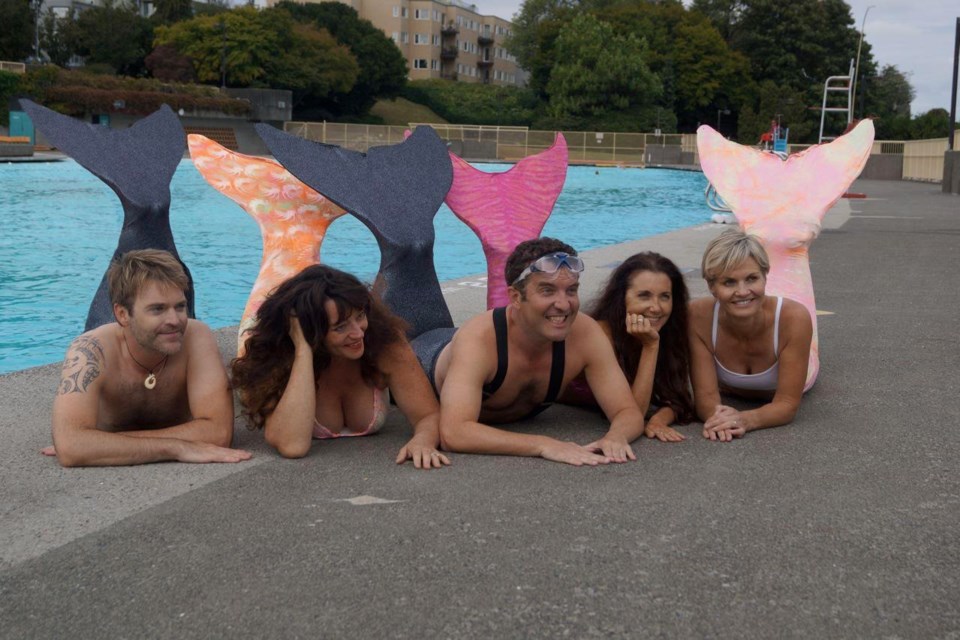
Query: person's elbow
x=69, y=455
x=288, y=447
x=452, y=438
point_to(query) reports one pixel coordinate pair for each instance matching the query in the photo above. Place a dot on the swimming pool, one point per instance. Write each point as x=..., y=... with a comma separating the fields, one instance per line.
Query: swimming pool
x=60, y=227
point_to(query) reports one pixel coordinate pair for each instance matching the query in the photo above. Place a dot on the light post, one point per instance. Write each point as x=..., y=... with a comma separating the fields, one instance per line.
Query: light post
x=856, y=67
x=223, y=54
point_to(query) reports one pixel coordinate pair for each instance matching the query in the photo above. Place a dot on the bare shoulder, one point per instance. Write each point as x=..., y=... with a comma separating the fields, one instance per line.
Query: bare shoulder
x=202, y=350
x=700, y=313
x=586, y=336
x=794, y=316
x=87, y=358
x=396, y=356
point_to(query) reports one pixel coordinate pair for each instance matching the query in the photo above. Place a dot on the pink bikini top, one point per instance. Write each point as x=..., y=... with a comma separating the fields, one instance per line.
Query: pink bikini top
x=381, y=406
x=763, y=381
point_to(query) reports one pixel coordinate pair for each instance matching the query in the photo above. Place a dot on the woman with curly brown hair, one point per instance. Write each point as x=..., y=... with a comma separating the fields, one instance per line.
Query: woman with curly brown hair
x=643, y=311
x=320, y=363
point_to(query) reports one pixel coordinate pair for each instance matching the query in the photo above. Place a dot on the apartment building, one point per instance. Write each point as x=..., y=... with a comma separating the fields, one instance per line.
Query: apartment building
x=445, y=39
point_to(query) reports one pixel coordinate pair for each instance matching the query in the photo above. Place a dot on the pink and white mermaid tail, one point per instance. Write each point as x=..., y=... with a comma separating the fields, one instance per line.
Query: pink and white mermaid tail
x=504, y=209
x=783, y=202
x=293, y=218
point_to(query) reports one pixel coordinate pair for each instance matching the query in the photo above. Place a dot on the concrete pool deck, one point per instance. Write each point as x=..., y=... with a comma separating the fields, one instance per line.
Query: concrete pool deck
x=844, y=524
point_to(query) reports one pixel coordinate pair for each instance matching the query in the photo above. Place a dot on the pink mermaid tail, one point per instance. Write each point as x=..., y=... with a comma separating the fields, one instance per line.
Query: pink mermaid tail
x=293, y=218
x=783, y=202
x=504, y=209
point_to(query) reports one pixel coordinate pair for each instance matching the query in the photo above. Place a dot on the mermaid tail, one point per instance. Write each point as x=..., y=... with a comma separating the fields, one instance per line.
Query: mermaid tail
x=138, y=164
x=504, y=209
x=782, y=202
x=293, y=218
x=395, y=191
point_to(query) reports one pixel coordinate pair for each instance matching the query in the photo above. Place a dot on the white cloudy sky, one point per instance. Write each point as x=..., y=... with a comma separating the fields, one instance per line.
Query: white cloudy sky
x=915, y=35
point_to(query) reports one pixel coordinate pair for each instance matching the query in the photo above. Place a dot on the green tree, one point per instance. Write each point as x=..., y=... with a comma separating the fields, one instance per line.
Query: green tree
x=383, y=69
x=58, y=36
x=167, y=64
x=16, y=35
x=113, y=34
x=598, y=72
x=170, y=11
x=263, y=49
x=779, y=103
x=699, y=72
x=931, y=124
x=474, y=103
x=886, y=97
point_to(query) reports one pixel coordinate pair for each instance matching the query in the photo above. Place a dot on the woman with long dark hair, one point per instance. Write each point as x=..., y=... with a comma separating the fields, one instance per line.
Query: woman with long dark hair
x=643, y=311
x=321, y=362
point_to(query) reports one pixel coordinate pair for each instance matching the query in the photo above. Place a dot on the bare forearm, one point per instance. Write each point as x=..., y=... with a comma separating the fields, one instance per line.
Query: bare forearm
x=642, y=386
x=664, y=415
x=95, y=448
x=290, y=427
x=627, y=424
x=475, y=437
x=774, y=414
x=217, y=431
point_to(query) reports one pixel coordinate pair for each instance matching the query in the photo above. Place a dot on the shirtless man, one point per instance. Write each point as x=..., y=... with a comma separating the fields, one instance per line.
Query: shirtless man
x=546, y=344
x=148, y=387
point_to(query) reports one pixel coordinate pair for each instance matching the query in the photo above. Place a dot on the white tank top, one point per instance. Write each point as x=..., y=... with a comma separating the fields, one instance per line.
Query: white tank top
x=763, y=381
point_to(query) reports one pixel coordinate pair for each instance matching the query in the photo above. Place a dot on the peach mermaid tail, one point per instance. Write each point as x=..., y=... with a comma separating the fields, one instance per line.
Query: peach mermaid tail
x=783, y=202
x=504, y=209
x=293, y=218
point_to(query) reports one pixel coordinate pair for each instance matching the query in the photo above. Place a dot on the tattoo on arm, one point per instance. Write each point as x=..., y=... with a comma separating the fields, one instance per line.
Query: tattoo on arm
x=82, y=366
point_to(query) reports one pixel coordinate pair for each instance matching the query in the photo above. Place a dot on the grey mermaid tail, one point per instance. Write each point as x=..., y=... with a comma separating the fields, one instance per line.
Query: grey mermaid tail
x=138, y=164
x=395, y=191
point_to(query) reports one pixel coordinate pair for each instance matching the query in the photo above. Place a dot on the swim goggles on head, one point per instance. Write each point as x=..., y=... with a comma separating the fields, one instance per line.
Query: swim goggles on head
x=551, y=263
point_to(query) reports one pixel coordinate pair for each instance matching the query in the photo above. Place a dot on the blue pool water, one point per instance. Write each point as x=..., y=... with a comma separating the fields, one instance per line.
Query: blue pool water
x=60, y=226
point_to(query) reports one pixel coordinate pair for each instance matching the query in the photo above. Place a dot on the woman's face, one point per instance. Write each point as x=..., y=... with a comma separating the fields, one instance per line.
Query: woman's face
x=650, y=294
x=344, y=338
x=742, y=289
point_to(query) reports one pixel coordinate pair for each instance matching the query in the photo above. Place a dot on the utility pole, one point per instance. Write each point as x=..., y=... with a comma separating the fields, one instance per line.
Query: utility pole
x=223, y=54
x=953, y=93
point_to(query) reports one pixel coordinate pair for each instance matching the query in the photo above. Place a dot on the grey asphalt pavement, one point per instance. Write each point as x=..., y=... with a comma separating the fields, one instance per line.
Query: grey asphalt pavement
x=845, y=524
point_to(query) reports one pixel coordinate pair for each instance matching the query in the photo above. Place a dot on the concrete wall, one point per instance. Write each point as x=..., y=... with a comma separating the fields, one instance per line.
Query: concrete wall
x=883, y=167
x=951, y=172
x=268, y=104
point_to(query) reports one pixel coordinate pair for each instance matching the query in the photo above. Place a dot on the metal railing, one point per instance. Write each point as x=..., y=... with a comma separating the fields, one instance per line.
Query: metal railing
x=510, y=144
x=922, y=159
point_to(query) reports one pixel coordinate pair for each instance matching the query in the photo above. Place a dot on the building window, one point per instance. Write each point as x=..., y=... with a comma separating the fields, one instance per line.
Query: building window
x=404, y=37
x=436, y=39
x=437, y=17
x=396, y=11
x=420, y=63
x=421, y=14
x=421, y=38
x=395, y=36
x=434, y=65
x=403, y=12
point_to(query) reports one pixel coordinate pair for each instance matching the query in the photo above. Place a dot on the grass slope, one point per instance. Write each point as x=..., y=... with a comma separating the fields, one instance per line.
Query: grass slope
x=402, y=112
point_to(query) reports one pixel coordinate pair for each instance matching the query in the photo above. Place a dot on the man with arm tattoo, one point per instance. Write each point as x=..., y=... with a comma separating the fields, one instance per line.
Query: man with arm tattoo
x=148, y=387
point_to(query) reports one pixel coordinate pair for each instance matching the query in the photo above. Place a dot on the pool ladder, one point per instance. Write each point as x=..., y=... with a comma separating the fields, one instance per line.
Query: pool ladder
x=714, y=201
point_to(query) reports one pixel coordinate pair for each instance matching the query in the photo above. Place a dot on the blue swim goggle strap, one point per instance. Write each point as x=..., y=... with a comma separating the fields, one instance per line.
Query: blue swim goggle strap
x=551, y=263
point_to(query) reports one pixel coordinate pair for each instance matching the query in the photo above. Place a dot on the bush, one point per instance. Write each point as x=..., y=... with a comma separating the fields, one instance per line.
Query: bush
x=474, y=103
x=77, y=93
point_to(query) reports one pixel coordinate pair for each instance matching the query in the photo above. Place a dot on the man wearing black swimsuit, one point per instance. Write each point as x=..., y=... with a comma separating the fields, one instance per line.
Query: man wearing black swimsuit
x=511, y=363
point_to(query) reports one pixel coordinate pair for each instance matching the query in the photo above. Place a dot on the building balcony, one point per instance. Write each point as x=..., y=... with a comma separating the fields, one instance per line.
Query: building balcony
x=485, y=63
x=449, y=53
x=449, y=30
x=485, y=39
